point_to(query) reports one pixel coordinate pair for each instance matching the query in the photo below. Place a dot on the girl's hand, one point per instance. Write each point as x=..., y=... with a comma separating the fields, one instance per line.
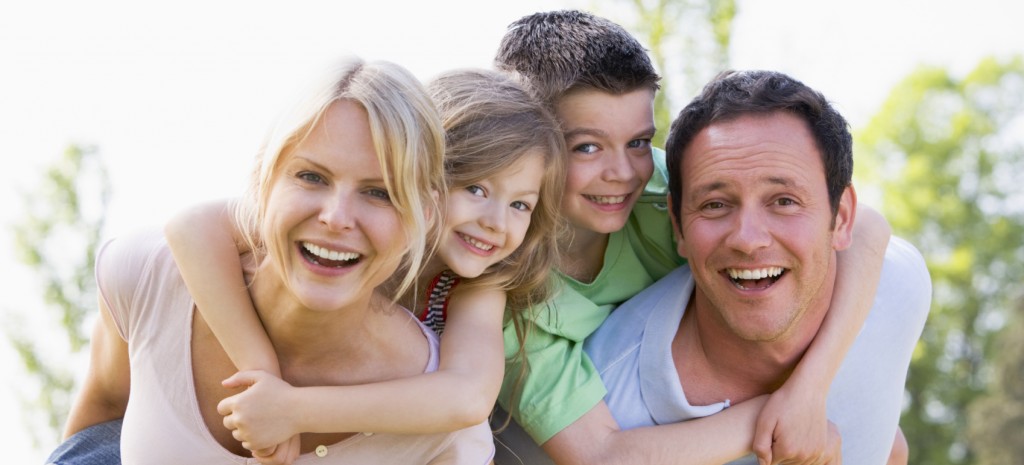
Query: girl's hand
x=281, y=454
x=793, y=428
x=260, y=417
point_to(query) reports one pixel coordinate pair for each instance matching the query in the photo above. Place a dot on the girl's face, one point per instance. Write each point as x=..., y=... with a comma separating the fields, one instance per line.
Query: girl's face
x=486, y=221
x=329, y=219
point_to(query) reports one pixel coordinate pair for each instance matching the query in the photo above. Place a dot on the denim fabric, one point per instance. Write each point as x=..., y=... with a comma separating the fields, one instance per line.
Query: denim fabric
x=96, y=445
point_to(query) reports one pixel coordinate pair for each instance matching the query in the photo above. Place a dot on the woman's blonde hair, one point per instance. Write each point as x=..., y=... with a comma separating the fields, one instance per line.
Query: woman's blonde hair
x=407, y=136
x=491, y=121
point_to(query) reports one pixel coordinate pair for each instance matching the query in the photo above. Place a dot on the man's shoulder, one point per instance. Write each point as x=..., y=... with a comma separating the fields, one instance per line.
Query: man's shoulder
x=904, y=266
x=905, y=282
x=627, y=323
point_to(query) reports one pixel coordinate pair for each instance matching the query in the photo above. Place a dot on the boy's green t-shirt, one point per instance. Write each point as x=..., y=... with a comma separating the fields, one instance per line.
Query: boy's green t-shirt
x=561, y=383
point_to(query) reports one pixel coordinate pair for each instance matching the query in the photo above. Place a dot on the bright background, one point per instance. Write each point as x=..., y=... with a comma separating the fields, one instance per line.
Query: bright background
x=176, y=95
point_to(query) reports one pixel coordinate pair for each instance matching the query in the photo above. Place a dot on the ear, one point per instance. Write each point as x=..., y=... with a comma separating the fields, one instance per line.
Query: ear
x=677, y=232
x=842, y=233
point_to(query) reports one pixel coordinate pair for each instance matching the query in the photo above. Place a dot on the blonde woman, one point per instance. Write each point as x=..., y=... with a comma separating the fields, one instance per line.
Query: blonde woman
x=352, y=173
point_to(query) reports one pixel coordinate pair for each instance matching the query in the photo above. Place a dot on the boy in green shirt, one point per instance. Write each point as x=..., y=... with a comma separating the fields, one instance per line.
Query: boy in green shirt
x=600, y=82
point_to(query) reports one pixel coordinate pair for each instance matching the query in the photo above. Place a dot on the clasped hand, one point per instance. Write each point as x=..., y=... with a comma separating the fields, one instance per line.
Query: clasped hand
x=259, y=417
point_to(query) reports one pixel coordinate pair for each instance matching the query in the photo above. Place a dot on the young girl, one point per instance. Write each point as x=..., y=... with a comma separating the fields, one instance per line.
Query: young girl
x=497, y=242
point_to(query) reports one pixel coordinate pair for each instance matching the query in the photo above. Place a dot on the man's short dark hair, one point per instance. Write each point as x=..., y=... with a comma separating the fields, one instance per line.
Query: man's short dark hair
x=559, y=51
x=736, y=93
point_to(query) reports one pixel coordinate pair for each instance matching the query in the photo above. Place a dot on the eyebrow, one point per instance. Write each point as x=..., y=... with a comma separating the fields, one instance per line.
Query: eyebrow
x=703, y=189
x=328, y=170
x=584, y=132
x=318, y=166
x=648, y=132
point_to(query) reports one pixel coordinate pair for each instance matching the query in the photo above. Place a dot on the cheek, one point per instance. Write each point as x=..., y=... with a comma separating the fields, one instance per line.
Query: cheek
x=644, y=167
x=577, y=176
x=519, y=233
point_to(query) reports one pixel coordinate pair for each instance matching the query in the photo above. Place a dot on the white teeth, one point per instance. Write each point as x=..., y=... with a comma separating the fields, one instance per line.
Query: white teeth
x=606, y=200
x=476, y=243
x=761, y=273
x=327, y=254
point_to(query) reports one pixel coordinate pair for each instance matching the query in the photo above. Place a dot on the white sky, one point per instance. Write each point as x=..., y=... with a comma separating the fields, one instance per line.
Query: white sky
x=176, y=95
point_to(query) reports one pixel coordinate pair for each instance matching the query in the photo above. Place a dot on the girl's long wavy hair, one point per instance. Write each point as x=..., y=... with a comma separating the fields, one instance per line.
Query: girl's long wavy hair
x=492, y=121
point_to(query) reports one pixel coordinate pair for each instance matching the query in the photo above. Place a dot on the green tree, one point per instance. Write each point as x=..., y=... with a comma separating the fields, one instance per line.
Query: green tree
x=57, y=240
x=995, y=421
x=688, y=42
x=946, y=151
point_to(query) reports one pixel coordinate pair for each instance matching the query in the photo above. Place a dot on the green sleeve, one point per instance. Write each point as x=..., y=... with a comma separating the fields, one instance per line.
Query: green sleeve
x=561, y=383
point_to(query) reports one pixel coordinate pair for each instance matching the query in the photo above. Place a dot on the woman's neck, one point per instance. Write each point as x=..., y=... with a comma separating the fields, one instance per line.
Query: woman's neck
x=298, y=332
x=582, y=254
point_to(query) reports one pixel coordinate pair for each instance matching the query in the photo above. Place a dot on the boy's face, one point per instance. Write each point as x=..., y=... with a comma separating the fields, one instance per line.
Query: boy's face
x=609, y=142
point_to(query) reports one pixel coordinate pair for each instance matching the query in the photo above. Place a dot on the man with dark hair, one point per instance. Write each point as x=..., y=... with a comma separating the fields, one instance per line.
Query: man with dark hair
x=760, y=170
x=600, y=83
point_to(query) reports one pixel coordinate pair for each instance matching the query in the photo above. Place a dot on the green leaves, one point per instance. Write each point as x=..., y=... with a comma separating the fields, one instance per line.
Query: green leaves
x=943, y=150
x=57, y=241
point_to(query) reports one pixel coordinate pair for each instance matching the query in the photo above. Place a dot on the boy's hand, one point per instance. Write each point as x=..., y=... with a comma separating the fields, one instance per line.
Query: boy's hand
x=260, y=417
x=793, y=428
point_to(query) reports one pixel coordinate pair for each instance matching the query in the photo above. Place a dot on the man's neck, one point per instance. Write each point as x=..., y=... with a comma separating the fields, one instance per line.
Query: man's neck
x=715, y=365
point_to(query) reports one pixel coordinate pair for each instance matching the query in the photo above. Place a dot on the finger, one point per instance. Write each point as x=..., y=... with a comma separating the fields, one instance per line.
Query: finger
x=763, y=441
x=240, y=379
x=226, y=407
x=265, y=452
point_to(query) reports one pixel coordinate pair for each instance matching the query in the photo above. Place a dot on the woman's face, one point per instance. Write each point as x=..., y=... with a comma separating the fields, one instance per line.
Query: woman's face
x=486, y=221
x=329, y=219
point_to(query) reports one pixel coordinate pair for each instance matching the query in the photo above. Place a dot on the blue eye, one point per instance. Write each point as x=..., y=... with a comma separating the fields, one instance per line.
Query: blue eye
x=476, y=190
x=639, y=143
x=585, y=148
x=310, y=176
x=379, y=193
x=521, y=206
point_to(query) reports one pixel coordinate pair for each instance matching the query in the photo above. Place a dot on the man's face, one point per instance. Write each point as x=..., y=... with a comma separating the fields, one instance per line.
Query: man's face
x=609, y=142
x=756, y=224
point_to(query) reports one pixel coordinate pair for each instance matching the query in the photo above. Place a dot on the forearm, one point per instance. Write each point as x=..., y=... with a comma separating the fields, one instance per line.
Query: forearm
x=86, y=413
x=714, y=439
x=858, y=272
x=104, y=394
x=204, y=245
x=428, y=403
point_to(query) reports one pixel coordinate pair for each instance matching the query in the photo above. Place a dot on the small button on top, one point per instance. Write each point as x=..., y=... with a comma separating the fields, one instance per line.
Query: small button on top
x=321, y=450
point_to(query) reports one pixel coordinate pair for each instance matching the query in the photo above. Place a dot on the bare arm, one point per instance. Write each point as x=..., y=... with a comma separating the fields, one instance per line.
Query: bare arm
x=461, y=393
x=104, y=394
x=206, y=247
x=596, y=439
x=794, y=417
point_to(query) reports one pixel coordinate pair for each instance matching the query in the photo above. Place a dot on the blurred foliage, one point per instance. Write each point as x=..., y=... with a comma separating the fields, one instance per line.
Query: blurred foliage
x=995, y=421
x=946, y=152
x=57, y=240
x=699, y=30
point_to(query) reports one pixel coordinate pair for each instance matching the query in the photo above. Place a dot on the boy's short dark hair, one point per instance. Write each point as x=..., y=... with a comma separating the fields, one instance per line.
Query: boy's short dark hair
x=560, y=51
x=733, y=94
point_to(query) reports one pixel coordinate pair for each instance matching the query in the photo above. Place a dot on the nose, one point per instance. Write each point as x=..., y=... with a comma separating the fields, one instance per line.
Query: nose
x=750, y=231
x=337, y=212
x=493, y=217
x=618, y=166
